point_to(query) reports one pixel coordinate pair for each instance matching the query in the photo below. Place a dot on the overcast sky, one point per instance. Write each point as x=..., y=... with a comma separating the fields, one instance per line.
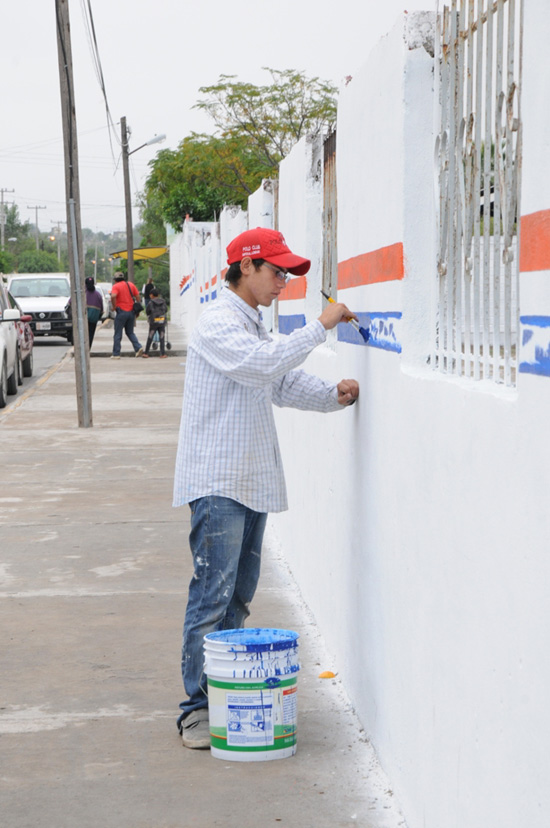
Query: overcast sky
x=155, y=54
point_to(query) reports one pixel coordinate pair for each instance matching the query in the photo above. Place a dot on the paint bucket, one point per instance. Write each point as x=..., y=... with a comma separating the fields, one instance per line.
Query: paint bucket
x=252, y=693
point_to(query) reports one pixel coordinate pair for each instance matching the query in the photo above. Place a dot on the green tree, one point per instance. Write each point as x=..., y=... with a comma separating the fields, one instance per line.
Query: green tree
x=198, y=178
x=256, y=126
x=6, y=262
x=15, y=228
x=273, y=118
x=38, y=261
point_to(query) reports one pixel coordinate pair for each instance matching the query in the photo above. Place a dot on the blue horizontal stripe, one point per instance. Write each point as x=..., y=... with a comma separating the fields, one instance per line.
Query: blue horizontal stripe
x=289, y=323
x=541, y=369
x=536, y=321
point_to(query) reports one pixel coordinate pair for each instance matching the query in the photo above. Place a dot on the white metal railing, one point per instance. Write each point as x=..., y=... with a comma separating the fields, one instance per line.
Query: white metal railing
x=478, y=161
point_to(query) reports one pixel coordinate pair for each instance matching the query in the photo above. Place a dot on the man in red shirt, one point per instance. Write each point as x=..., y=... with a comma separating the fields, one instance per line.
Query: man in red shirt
x=123, y=295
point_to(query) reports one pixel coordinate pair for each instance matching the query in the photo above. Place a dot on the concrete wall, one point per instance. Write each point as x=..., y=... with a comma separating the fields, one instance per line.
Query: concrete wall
x=418, y=525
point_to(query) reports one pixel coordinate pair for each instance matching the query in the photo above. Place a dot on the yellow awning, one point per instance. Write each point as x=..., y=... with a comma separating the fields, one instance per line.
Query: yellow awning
x=141, y=253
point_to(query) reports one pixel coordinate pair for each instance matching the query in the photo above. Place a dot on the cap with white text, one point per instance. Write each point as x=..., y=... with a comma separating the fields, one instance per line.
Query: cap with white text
x=263, y=243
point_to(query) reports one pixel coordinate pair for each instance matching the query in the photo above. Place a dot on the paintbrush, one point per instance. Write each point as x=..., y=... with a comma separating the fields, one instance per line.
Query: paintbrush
x=353, y=322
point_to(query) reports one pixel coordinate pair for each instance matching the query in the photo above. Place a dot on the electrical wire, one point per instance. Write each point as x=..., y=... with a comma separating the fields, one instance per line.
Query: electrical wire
x=92, y=41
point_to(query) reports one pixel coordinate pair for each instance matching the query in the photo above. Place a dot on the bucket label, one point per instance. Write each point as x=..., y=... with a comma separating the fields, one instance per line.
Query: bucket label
x=290, y=711
x=249, y=718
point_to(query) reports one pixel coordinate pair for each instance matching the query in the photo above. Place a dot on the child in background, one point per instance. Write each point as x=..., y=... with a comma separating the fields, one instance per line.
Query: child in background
x=156, y=315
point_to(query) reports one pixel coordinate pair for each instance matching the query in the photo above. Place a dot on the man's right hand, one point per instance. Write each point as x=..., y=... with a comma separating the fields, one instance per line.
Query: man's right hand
x=334, y=313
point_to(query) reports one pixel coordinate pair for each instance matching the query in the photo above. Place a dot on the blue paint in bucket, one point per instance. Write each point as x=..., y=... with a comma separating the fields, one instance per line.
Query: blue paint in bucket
x=252, y=693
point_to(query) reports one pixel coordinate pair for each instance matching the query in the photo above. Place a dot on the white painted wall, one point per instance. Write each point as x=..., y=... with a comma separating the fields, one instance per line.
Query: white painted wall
x=300, y=216
x=261, y=213
x=418, y=525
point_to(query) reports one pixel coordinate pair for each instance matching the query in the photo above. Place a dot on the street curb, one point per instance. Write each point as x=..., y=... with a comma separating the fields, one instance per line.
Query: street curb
x=19, y=400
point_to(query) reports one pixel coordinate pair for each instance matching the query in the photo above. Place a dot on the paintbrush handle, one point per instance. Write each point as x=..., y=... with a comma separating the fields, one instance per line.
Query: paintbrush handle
x=349, y=319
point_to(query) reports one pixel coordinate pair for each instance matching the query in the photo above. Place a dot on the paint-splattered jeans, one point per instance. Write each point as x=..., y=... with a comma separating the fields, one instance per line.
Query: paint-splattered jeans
x=226, y=541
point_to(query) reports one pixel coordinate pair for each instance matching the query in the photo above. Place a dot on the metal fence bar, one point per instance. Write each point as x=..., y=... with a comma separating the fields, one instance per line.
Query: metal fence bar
x=444, y=202
x=489, y=354
x=458, y=253
x=453, y=272
x=498, y=176
x=469, y=201
x=511, y=201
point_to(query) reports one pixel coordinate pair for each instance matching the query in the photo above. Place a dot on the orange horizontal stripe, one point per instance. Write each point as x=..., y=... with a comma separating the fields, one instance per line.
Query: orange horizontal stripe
x=296, y=289
x=534, y=253
x=383, y=265
x=214, y=280
x=224, y=271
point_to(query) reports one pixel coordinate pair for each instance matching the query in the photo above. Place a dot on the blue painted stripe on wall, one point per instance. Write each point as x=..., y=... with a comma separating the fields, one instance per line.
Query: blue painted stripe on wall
x=381, y=327
x=535, y=345
x=536, y=321
x=187, y=286
x=289, y=322
x=214, y=294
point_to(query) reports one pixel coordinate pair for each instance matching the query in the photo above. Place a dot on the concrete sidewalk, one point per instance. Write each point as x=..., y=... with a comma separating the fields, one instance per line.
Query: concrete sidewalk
x=93, y=580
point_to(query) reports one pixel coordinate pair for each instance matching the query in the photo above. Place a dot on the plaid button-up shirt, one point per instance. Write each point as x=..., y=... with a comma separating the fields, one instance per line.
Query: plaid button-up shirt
x=234, y=373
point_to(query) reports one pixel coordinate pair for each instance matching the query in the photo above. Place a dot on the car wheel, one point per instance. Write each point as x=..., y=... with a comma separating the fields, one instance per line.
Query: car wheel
x=70, y=337
x=12, y=381
x=3, y=385
x=28, y=365
x=19, y=366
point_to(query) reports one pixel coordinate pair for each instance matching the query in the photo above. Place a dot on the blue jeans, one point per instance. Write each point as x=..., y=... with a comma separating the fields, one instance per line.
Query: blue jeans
x=226, y=541
x=125, y=321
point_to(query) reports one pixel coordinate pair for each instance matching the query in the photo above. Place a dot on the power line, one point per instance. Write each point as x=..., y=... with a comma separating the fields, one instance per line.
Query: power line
x=92, y=40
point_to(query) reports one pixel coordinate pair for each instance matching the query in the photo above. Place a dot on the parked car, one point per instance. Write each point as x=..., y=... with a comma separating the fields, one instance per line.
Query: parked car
x=9, y=350
x=25, y=339
x=105, y=288
x=46, y=298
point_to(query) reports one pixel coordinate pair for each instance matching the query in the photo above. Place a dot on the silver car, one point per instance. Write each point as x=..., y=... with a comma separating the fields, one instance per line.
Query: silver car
x=10, y=359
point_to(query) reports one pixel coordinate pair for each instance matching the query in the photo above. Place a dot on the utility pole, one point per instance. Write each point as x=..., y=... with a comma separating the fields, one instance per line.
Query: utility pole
x=3, y=215
x=57, y=226
x=125, y=134
x=74, y=227
x=36, y=208
x=127, y=198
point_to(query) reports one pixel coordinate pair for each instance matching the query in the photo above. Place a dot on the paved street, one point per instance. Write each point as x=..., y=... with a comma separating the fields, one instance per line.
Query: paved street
x=93, y=578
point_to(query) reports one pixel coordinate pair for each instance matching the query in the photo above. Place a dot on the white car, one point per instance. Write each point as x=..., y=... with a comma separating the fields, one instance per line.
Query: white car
x=105, y=289
x=46, y=298
x=10, y=363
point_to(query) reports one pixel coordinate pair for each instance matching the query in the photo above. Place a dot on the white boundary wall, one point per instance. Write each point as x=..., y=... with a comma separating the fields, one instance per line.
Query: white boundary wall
x=418, y=525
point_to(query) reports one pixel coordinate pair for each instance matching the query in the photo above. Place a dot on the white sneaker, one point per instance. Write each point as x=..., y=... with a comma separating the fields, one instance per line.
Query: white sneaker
x=115, y=357
x=195, y=730
x=139, y=352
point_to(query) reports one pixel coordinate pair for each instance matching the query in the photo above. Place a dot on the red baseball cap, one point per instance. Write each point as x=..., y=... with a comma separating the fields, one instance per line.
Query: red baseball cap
x=262, y=243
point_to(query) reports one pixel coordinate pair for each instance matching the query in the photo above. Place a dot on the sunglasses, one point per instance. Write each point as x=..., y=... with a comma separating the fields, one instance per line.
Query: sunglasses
x=280, y=274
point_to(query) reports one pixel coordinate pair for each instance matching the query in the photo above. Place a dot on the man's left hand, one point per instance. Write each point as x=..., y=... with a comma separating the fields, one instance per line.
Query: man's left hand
x=348, y=391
